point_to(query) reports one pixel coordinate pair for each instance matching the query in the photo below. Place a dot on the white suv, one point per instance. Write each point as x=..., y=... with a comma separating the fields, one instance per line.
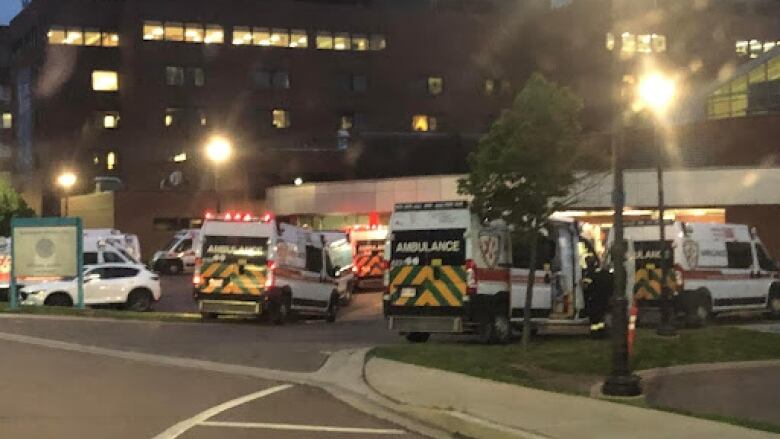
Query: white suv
x=131, y=285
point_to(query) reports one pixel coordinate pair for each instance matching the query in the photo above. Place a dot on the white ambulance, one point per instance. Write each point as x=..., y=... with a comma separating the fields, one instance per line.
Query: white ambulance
x=450, y=273
x=178, y=255
x=715, y=268
x=251, y=266
x=368, y=246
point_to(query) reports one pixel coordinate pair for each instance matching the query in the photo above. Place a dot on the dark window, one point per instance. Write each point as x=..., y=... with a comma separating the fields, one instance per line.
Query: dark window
x=739, y=254
x=174, y=76
x=90, y=258
x=195, y=76
x=261, y=78
x=119, y=272
x=112, y=257
x=313, y=259
x=359, y=83
x=545, y=254
x=281, y=80
x=180, y=76
x=278, y=79
x=764, y=260
x=185, y=245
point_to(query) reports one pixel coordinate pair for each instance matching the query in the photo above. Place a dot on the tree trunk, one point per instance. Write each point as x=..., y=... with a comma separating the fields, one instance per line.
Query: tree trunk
x=529, y=293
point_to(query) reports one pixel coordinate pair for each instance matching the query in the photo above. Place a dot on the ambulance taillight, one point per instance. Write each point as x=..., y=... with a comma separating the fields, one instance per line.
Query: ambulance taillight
x=471, y=277
x=386, y=276
x=270, y=277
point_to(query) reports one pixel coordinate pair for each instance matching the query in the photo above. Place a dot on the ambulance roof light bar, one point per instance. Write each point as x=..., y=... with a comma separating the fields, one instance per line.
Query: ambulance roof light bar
x=238, y=217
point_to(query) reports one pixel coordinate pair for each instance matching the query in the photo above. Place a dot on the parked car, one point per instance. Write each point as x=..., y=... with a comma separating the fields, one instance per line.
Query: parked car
x=131, y=285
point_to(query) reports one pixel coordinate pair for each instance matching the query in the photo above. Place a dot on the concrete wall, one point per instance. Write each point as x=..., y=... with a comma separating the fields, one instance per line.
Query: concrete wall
x=96, y=210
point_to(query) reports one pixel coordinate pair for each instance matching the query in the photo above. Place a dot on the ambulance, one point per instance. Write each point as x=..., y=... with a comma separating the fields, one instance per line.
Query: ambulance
x=368, y=246
x=448, y=272
x=178, y=255
x=248, y=265
x=714, y=268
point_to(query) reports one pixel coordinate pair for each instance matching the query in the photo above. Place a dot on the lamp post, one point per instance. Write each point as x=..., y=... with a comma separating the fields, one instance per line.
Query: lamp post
x=656, y=92
x=66, y=181
x=218, y=151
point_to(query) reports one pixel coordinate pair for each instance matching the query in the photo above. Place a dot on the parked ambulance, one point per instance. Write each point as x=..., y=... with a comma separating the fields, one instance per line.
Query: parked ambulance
x=128, y=242
x=251, y=266
x=368, y=246
x=451, y=273
x=178, y=255
x=715, y=268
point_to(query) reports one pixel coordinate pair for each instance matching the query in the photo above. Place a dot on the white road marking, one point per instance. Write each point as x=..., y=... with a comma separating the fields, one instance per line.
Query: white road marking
x=183, y=426
x=293, y=427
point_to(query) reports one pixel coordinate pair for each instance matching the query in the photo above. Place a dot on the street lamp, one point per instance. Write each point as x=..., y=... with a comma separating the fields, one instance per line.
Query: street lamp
x=656, y=92
x=66, y=181
x=218, y=151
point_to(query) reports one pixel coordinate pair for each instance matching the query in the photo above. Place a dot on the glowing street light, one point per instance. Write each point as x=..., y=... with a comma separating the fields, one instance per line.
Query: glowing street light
x=66, y=181
x=298, y=181
x=218, y=150
x=656, y=92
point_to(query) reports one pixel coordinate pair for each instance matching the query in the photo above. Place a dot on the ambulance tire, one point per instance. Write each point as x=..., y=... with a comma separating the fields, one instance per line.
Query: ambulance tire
x=698, y=308
x=173, y=267
x=347, y=298
x=773, y=304
x=333, y=308
x=418, y=337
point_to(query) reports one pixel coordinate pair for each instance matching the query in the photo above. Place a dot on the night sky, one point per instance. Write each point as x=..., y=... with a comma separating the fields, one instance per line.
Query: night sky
x=8, y=9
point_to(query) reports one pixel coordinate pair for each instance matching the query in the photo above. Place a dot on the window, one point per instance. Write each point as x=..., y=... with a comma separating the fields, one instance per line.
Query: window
x=119, y=272
x=110, y=39
x=90, y=258
x=742, y=47
x=111, y=161
x=180, y=157
x=75, y=37
x=359, y=42
x=153, y=31
x=341, y=41
x=184, y=246
x=489, y=87
x=739, y=254
x=174, y=76
x=354, y=82
x=346, y=121
x=92, y=37
x=280, y=118
x=281, y=80
x=324, y=40
x=659, y=43
x=105, y=80
x=112, y=258
x=172, y=116
x=242, y=35
x=765, y=262
x=193, y=33
x=377, y=42
x=423, y=123
x=214, y=34
x=435, y=85
x=545, y=254
x=7, y=121
x=313, y=259
x=195, y=76
x=56, y=35
x=298, y=38
x=108, y=119
x=644, y=44
x=174, y=31
x=261, y=36
x=280, y=38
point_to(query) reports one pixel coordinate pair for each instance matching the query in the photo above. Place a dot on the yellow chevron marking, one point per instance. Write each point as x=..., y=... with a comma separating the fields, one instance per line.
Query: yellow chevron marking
x=402, y=273
x=427, y=299
x=455, y=279
x=444, y=290
x=422, y=275
x=209, y=271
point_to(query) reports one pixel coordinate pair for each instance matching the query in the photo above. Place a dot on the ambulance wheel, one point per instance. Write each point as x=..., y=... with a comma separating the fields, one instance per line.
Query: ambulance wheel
x=774, y=302
x=418, y=337
x=698, y=309
x=497, y=330
x=280, y=312
x=333, y=308
x=347, y=298
x=173, y=267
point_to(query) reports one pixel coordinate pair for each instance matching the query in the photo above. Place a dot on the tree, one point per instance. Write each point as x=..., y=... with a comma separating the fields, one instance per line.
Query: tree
x=12, y=205
x=523, y=169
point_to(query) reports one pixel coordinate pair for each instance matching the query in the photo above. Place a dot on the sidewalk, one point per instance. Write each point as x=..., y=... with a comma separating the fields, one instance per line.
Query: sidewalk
x=451, y=399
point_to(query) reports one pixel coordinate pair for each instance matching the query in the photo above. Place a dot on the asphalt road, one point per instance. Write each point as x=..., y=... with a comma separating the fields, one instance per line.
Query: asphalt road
x=49, y=393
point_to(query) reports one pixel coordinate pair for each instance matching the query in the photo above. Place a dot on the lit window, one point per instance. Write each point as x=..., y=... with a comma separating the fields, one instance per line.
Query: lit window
x=110, y=39
x=659, y=43
x=170, y=116
x=377, y=42
x=298, y=38
x=174, y=31
x=153, y=30
x=610, y=43
x=181, y=157
x=242, y=35
x=108, y=120
x=280, y=119
x=644, y=44
x=435, y=85
x=215, y=34
x=174, y=76
x=769, y=45
x=203, y=119
x=359, y=42
x=280, y=38
x=346, y=121
x=74, y=37
x=490, y=86
x=261, y=36
x=56, y=35
x=111, y=161
x=742, y=47
x=629, y=43
x=7, y=121
x=422, y=123
x=324, y=40
x=92, y=37
x=193, y=33
x=105, y=80
x=756, y=47
x=341, y=41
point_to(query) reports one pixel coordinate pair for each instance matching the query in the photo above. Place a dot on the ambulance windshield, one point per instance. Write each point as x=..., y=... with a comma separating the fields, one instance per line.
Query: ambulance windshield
x=428, y=247
x=369, y=247
x=235, y=248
